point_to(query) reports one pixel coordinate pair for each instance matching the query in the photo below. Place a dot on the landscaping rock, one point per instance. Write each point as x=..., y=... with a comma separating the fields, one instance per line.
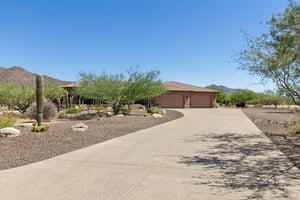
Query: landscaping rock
x=9, y=132
x=30, y=125
x=80, y=127
x=155, y=116
x=105, y=114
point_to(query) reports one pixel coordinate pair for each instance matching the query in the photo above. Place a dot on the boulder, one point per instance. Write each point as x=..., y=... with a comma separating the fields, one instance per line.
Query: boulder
x=80, y=127
x=155, y=116
x=9, y=132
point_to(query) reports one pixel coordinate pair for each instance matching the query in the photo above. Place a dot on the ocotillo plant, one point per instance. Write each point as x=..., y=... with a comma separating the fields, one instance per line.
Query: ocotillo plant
x=39, y=99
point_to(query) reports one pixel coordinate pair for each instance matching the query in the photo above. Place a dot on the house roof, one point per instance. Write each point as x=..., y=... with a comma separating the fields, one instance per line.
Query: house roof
x=71, y=85
x=176, y=86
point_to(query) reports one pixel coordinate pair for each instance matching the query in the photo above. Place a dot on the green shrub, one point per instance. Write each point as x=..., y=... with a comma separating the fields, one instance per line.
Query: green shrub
x=295, y=126
x=100, y=109
x=125, y=111
x=73, y=110
x=7, y=120
x=155, y=110
x=81, y=107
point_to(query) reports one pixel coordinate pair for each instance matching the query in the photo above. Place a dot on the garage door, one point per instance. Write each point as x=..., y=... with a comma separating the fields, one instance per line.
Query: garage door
x=200, y=101
x=172, y=101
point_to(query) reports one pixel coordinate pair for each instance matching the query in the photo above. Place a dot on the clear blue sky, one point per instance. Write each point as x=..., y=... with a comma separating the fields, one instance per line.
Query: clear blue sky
x=190, y=41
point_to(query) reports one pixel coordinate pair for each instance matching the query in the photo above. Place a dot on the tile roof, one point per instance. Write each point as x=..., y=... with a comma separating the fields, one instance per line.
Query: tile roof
x=176, y=86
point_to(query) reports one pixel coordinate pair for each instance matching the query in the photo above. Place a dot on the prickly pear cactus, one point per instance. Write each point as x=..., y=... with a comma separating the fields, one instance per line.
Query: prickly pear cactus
x=39, y=99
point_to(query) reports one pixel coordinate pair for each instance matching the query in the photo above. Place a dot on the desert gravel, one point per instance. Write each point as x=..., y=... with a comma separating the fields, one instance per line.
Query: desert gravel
x=31, y=147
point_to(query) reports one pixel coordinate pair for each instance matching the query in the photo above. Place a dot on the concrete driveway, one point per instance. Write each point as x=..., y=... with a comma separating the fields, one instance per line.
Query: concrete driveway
x=208, y=154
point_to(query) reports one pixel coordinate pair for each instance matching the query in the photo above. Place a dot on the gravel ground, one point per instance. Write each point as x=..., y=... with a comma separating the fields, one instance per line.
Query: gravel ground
x=31, y=147
x=274, y=123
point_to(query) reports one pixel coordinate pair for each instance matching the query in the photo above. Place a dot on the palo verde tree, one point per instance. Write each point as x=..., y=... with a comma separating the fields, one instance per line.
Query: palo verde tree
x=119, y=90
x=19, y=97
x=143, y=86
x=275, y=55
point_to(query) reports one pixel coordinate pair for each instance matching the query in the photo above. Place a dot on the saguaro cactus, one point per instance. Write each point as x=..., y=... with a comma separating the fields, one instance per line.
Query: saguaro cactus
x=39, y=99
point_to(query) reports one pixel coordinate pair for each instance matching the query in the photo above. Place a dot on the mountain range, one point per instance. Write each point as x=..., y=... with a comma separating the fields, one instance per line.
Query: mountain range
x=227, y=90
x=20, y=76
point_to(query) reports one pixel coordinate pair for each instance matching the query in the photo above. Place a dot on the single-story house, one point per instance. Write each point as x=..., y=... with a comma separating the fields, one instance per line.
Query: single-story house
x=180, y=95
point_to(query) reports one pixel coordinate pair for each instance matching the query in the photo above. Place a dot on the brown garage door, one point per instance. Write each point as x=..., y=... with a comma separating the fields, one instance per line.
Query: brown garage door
x=172, y=101
x=200, y=101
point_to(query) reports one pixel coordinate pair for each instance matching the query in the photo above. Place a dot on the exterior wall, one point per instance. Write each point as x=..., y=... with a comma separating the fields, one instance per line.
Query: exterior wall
x=184, y=99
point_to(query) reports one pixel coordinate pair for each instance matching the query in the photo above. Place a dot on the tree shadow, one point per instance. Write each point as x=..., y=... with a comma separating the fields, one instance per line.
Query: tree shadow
x=242, y=162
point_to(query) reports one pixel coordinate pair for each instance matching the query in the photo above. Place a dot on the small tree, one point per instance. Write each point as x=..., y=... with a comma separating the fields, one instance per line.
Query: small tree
x=54, y=93
x=20, y=97
x=24, y=98
x=8, y=93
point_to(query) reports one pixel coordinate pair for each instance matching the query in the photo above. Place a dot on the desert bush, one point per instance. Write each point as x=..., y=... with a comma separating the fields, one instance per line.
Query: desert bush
x=49, y=112
x=155, y=110
x=7, y=120
x=295, y=126
x=76, y=109
x=125, y=111
x=72, y=110
x=100, y=109
x=81, y=107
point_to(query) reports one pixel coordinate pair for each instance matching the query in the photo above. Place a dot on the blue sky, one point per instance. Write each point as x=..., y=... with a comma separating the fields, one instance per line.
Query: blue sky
x=189, y=41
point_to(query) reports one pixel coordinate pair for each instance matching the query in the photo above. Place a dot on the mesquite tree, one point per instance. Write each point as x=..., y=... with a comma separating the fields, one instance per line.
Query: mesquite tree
x=39, y=99
x=275, y=55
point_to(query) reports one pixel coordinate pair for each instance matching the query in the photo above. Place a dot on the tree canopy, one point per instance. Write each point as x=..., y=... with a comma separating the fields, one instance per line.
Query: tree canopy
x=275, y=55
x=21, y=97
x=119, y=90
x=246, y=96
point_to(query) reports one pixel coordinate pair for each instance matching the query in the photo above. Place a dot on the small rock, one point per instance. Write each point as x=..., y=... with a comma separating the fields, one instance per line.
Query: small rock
x=155, y=116
x=9, y=132
x=79, y=127
x=27, y=125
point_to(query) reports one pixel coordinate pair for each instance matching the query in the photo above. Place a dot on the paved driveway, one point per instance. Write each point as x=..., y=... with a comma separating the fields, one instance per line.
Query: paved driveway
x=208, y=154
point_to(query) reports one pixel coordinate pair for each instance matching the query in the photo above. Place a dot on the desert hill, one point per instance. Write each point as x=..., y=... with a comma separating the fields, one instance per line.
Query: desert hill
x=20, y=76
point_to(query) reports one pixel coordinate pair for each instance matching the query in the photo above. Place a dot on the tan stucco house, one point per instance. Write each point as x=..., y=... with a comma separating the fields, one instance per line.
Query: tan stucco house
x=180, y=95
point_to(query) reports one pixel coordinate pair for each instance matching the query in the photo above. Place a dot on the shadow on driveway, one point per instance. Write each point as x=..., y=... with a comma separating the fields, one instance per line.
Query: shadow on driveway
x=242, y=163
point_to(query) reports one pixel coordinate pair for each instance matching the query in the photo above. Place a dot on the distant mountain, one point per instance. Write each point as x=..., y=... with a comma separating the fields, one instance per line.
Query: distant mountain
x=20, y=76
x=227, y=90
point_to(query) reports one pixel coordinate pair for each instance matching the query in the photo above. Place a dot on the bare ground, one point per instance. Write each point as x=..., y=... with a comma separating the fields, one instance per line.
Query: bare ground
x=31, y=147
x=275, y=124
